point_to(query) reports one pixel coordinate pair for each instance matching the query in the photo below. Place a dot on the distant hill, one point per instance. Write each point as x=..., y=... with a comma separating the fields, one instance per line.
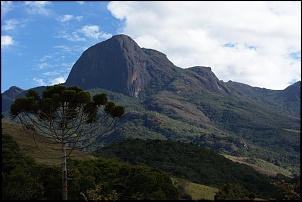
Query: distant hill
x=164, y=101
x=287, y=100
x=8, y=97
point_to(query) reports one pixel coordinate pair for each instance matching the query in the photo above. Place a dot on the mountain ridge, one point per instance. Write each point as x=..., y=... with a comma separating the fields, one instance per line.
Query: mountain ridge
x=131, y=68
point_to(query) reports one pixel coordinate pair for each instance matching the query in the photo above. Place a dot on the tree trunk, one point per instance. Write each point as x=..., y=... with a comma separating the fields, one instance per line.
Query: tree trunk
x=64, y=172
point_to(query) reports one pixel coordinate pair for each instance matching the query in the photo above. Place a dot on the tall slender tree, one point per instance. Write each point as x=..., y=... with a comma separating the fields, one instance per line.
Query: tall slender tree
x=67, y=116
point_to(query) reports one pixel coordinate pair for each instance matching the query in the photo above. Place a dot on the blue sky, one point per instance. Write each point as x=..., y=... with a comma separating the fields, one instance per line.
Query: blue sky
x=256, y=43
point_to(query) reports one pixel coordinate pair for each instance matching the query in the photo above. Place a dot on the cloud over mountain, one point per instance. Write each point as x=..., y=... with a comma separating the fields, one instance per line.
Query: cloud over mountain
x=264, y=35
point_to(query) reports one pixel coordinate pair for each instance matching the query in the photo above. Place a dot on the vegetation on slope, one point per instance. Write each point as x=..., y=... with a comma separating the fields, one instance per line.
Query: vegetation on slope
x=222, y=123
x=248, y=116
x=191, y=162
x=111, y=179
x=27, y=145
x=193, y=191
x=24, y=179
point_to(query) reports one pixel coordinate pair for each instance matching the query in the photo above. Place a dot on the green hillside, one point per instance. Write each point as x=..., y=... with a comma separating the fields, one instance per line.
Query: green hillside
x=24, y=178
x=230, y=125
x=189, y=161
x=248, y=122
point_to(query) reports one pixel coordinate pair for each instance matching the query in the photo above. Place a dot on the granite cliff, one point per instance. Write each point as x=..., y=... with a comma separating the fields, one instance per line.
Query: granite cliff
x=120, y=65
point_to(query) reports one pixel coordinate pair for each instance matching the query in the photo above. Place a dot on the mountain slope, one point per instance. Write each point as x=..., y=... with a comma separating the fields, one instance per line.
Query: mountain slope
x=191, y=162
x=8, y=96
x=286, y=101
x=27, y=145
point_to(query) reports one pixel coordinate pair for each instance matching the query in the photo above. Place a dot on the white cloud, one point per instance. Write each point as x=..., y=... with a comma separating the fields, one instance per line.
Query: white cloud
x=73, y=36
x=39, y=82
x=64, y=48
x=94, y=32
x=46, y=57
x=65, y=18
x=7, y=41
x=91, y=31
x=57, y=81
x=6, y=6
x=87, y=31
x=80, y=2
x=52, y=79
x=53, y=73
x=37, y=7
x=10, y=24
x=78, y=18
x=266, y=36
x=43, y=65
x=72, y=50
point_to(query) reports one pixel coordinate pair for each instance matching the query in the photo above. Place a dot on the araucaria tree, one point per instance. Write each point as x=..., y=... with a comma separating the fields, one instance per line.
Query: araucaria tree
x=67, y=116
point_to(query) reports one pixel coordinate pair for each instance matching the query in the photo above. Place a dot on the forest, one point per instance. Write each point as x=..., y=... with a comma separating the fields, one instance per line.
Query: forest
x=132, y=170
x=24, y=179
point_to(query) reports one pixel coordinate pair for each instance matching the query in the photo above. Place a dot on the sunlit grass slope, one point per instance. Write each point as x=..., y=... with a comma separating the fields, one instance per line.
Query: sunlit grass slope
x=27, y=144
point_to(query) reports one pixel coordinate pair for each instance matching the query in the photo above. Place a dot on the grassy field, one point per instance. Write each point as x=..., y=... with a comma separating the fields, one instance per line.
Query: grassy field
x=197, y=191
x=262, y=166
x=27, y=144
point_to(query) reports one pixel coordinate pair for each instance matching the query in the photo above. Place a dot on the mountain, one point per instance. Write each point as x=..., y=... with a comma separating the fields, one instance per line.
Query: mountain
x=120, y=65
x=8, y=97
x=291, y=93
x=12, y=93
x=289, y=99
x=164, y=101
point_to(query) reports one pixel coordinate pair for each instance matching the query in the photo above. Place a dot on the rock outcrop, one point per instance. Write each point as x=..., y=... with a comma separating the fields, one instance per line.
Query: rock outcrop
x=120, y=65
x=117, y=64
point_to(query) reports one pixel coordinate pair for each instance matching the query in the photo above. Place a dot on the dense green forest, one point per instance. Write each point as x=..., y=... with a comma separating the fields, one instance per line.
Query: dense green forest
x=189, y=161
x=24, y=179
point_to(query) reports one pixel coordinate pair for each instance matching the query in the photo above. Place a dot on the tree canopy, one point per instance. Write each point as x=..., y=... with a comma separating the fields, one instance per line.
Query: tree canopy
x=67, y=116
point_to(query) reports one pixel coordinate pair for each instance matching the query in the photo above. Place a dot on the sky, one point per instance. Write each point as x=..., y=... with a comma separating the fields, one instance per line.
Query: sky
x=257, y=43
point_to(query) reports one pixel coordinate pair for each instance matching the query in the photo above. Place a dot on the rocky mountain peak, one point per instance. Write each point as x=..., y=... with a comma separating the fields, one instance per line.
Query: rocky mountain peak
x=9, y=95
x=117, y=64
x=12, y=92
x=120, y=65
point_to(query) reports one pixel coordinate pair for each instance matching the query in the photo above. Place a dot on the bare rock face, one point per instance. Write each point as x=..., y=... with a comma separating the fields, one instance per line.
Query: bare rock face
x=117, y=64
x=120, y=65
